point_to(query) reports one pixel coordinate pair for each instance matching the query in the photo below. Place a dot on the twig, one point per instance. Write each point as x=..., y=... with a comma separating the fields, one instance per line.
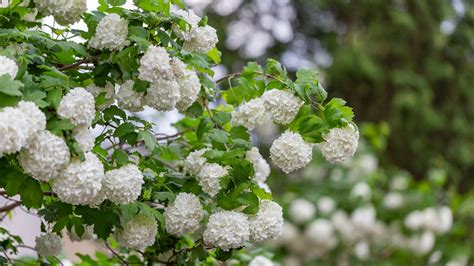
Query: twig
x=233, y=75
x=10, y=207
x=78, y=63
x=116, y=254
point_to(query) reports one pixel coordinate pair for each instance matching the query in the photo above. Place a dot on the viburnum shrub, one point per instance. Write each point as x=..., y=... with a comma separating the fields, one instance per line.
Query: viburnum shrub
x=190, y=197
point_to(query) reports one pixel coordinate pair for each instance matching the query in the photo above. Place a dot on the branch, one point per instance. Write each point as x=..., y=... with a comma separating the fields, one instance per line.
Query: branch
x=78, y=63
x=233, y=75
x=10, y=207
x=125, y=262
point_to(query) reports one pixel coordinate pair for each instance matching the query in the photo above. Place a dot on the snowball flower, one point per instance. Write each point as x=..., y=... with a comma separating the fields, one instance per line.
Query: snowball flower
x=414, y=220
x=183, y=215
x=251, y=114
x=321, y=232
x=189, y=87
x=18, y=125
x=210, y=176
x=194, y=162
x=364, y=218
x=282, y=105
x=290, y=152
x=393, y=200
x=111, y=33
x=8, y=66
x=46, y=155
x=422, y=244
x=326, y=205
x=301, y=210
x=339, y=144
x=201, y=39
x=48, y=245
x=123, y=185
x=53, y=7
x=260, y=165
x=108, y=91
x=80, y=182
x=138, y=233
x=130, y=99
x=155, y=65
x=73, y=14
x=227, y=230
x=361, y=190
x=87, y=235
x=191, y=19
x=163, y=95
x=361, y=250
x=84, y=137
x=78, y=106
x=261, y=261
x=267, y=224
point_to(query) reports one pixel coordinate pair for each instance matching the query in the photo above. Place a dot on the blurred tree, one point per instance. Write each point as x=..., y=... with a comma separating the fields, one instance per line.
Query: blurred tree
x=409, y=63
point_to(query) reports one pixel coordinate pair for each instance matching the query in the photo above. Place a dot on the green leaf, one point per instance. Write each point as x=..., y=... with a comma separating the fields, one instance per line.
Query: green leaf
x=116, y=2
x=148, y=138
x=120, y=157
x=56, y=126
x=9, y=86
x=219, y=135
x=260, y=192
x=31, y=193
x=215, y=55
x=124, y=129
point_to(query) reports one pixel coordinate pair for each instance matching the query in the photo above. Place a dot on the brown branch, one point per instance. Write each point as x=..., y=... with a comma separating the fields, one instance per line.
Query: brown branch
x=78, y=63
x=125, y=262
x=10, y=207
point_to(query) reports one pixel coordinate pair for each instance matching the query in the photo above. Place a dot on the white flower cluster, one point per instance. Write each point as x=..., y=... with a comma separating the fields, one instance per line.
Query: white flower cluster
x=393, y=200
x=194, y=162
x=320, y=233
x=73, y=13
x=123, y=185
x=301, y=210
x=437, y=220
x=183, y=215
x=138, y=233
x=48, y=245
x=282, y=105
x=198, y=39
x=18, y=125
x=130, y=99
x=290, y=152
x=84, y=137
x=108, y=91
x=78, y=106
x=340, y=144
x=227, y=230
x=8, y=66
x=251, y=114
x=361, y=190
x=326, y=205
x=260, y=165
x=261, y=261
x=80, y=182
x=172, y=85
x=111, y=33
x=53, y=7
x=267, y=224
x=87, y=235
x=210, y=176
x=44, y=158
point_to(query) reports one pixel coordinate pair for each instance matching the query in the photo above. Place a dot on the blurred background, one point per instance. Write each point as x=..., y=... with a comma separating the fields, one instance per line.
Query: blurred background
x=406, y=67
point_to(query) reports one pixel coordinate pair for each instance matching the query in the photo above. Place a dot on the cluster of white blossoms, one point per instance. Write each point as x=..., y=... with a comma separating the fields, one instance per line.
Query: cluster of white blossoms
x=111, y=33
x=183, y=215
x=78, y=106
x=84, y=137
x=138, y=233
x=194, y=161
x=340, y=144
x=130, y=99
x=108, y=91
x=267, y=224
x=73, y=14
x=301, y=210
x=209, y=178
x=227, y=230
x=53, y=7
x=282, y=105
x=48, y=245
x=260, y=165
x=123, y=185
x=437, y=220
x=290, y=152
x=261, y=261
x=19, y=125
x=80, y=182
x=8, y=66
x=198, y=39
x=172, y=84
x=251, y=114
x=44, y=158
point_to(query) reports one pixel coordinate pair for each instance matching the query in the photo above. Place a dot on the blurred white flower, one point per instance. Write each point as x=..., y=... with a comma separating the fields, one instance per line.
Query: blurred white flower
x=362, y=250
x=361, y=190
x=301, y=210
x=326, y=205
x=393, y=200
x=261, y=261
